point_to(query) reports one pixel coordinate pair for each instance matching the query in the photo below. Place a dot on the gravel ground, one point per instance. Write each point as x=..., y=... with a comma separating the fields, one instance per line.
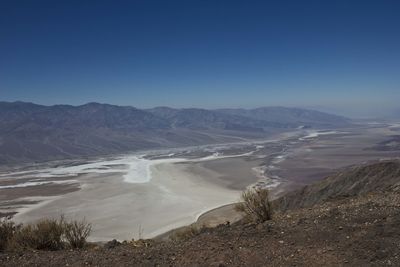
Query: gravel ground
x=352, y=231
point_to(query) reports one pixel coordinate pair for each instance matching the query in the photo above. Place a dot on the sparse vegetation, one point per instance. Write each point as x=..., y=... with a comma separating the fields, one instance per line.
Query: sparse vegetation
x=46, y=234
x=7, y=231
x=186, y=232
x=256, y=204
x=76, y=233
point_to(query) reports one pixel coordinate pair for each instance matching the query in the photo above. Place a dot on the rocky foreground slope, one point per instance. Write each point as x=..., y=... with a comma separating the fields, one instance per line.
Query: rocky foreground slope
x=353, y=181
x=345, y=227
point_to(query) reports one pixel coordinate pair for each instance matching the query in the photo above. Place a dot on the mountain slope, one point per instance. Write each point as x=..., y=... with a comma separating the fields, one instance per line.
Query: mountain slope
x=33, y=132
x=381, y=176
x=290, y=116
x=30, y=132
x=201, y=119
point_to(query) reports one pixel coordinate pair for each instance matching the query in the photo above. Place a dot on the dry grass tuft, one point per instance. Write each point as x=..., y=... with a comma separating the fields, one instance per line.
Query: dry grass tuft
x=256, y=205
x=186, y=232
x=7, y=231
x=46, y=234
x=76, y=233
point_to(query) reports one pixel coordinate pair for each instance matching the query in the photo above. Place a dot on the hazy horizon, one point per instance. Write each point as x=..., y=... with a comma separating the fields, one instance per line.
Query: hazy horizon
x=341, y=57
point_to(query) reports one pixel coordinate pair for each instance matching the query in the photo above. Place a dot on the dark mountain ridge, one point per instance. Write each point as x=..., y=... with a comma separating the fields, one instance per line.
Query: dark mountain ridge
x=290, y=116
x=31, y=132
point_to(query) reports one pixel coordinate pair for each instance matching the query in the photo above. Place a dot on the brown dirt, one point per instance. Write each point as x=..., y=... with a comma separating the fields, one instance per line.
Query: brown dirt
x=7, y=214
x=348, y=231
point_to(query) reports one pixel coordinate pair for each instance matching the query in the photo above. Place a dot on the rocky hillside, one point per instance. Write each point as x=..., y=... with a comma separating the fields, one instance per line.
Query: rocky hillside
x=290, y=116
x=30, y=132
x=382, y=176
x=357, y=226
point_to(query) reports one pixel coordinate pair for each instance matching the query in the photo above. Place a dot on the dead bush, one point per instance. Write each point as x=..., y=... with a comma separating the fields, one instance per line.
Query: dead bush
x=46, y=234
x=77, y=232
x=186, y=232
x=7, y=231
x=255, y=203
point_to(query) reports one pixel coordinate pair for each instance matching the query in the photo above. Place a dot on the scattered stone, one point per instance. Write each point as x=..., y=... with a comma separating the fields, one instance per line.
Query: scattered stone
x=112, y=244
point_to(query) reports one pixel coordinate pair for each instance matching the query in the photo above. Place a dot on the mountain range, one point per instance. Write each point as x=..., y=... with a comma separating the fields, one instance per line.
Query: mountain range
x=31, y=132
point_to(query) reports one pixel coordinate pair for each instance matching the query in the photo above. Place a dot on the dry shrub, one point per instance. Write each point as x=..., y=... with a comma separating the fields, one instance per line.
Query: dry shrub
x=256, y=205
x=186, y=232
x=46, y=234
x=76, y=233
x=7, y=231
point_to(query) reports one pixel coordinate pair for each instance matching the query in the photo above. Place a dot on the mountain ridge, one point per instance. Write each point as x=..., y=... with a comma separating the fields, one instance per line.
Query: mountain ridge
x=31, y=132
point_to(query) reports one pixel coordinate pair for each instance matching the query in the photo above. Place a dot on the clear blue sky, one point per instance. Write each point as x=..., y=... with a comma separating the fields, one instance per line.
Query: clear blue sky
x=341, y=55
